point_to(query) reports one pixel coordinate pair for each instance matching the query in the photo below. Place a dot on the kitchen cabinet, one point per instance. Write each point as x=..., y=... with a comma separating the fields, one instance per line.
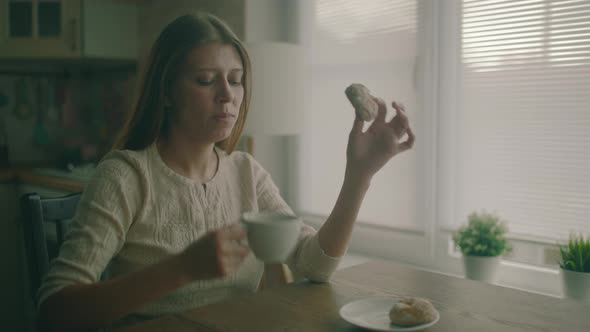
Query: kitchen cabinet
x=68, y=29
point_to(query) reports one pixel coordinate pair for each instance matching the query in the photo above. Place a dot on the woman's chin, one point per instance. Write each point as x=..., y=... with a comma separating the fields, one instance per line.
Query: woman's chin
x=221, y=135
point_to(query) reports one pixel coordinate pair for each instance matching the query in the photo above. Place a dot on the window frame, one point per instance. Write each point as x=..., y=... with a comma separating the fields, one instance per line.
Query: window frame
x=431, y=249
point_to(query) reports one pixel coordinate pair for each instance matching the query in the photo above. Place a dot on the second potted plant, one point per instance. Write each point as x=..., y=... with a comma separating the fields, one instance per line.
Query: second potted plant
x=575, y=268
x=482, y=241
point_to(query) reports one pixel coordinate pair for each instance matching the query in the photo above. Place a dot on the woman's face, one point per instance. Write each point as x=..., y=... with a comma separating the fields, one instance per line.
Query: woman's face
x=207, y=93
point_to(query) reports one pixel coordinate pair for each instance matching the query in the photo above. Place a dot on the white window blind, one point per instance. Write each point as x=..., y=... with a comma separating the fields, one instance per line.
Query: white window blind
x=358, y=41
x=524, y=128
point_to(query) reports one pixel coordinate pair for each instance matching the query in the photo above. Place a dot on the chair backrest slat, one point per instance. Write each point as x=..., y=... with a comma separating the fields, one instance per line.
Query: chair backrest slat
x=35, y=212
x=60, y=208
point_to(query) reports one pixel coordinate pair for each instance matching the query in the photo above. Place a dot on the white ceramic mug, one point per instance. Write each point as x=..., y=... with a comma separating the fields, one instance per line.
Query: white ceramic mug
x=271, y=235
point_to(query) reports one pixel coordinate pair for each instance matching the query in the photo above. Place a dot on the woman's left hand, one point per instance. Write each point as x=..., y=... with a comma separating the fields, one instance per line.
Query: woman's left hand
x=368, y=152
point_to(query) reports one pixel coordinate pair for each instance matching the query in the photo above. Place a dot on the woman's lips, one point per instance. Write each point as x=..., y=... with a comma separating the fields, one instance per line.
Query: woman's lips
x=224, y=116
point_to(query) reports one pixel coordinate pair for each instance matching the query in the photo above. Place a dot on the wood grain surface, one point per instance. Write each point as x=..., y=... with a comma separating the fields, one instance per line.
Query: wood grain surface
x=464, y=305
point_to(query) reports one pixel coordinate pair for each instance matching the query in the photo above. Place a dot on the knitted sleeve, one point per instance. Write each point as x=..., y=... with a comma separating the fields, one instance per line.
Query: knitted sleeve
x=106, y=210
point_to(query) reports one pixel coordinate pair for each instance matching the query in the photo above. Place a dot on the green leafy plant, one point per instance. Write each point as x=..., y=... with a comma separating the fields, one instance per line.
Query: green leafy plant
x=575, y=256
x=484, y=235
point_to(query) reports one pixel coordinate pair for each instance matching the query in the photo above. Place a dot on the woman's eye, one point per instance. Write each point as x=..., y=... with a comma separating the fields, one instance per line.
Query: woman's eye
x=211, y=81
x=204, y=82
x=235, y=80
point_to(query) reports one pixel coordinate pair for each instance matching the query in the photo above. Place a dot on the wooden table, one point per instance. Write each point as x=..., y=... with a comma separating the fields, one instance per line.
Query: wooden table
x=464, y=305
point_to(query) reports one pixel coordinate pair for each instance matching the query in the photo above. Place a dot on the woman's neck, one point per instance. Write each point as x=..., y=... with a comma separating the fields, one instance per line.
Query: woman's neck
x=197, y=162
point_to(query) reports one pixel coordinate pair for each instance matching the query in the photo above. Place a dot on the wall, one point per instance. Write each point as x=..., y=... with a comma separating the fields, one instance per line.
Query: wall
x=156, y=14
x=274, y=20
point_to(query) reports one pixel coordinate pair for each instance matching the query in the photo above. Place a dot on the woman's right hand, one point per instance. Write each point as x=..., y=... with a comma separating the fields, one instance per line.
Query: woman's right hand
x=217, y=254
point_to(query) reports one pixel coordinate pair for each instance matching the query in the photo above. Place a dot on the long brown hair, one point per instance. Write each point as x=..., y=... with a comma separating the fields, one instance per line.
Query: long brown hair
x=149, y=119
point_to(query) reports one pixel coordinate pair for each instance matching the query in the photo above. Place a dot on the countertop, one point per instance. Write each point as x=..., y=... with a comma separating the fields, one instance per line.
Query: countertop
x=30, y=176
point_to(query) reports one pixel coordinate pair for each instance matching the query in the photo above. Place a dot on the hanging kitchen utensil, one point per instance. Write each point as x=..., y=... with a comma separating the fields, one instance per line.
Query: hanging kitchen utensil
x=22, y=106
x=69, y=112
x=52, y=106
x=4, y=160
x=40, y=133
x=3, y=99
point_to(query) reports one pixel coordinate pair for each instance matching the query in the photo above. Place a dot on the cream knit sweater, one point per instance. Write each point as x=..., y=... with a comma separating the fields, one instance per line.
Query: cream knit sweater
x=137, y=211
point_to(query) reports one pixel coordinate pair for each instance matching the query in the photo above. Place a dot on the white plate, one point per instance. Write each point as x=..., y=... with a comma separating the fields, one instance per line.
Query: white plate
x=373, y=313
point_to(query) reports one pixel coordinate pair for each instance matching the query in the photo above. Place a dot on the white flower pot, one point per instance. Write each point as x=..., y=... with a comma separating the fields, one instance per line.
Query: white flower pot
x=482, y=268
x=576, y=285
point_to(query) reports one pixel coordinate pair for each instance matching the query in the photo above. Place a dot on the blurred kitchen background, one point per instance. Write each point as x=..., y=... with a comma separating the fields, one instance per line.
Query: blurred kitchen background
x=67, y=78
x=65, y=120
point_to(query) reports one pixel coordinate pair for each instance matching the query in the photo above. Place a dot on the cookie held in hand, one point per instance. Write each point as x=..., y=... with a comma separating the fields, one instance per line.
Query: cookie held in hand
x=362, y=101
x=412, y=311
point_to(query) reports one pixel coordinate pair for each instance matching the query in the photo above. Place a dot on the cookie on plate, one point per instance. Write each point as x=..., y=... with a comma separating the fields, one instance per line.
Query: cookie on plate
x=412, y=311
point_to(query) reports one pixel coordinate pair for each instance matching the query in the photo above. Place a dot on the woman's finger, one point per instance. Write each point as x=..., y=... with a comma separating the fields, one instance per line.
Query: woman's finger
x=233, y=232
x=357, y=126
x=239, y=248
x=231, y=263
x=400, y=110
x=232, y=247
x=243, y=251
x=398, y=126
x=409, y=143
x=382, y=111
x=235, y=260
x=400, y=121
x=227, y=265
x=398, y=106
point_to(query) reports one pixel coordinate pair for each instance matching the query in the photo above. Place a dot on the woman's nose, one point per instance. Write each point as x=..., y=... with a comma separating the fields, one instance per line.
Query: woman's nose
x=224, y=92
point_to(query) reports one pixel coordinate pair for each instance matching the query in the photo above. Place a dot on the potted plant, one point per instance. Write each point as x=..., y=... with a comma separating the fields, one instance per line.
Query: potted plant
x=575, y=268
x=482, y=241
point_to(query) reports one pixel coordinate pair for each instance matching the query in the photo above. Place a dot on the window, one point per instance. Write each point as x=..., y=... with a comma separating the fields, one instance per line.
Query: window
x=373, y=43
x=523, y=144
x=499, y=94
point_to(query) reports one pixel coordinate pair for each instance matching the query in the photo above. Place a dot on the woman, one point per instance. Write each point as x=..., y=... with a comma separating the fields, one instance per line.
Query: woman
x=163, y=209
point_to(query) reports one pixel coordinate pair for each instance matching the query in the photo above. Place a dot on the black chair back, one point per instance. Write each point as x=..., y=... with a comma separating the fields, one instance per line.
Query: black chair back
x=38, y=215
